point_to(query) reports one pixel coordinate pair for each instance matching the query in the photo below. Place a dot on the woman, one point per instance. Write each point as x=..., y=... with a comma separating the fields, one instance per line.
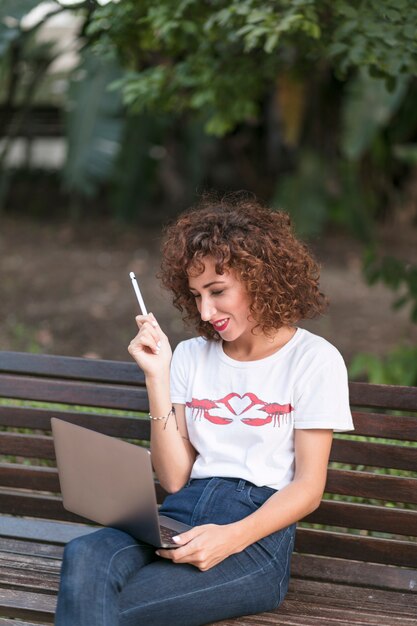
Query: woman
x=241, y=429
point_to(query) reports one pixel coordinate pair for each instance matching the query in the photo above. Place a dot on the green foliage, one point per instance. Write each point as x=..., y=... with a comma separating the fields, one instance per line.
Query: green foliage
x=406, y=153
x=379, y=34
x=367, y=107
x=399, y=367
x=95, y=125
x=217, y=59
x=303, y=194
x=201, y=56
x=397, y=275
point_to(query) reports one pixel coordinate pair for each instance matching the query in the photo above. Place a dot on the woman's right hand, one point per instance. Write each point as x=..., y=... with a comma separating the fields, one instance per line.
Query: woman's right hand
x=150, y=348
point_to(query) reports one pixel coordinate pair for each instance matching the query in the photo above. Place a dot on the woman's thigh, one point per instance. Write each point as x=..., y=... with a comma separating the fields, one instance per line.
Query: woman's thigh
x=251, y=581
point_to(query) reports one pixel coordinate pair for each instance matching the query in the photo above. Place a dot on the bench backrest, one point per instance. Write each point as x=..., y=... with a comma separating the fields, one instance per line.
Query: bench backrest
x=368, y=515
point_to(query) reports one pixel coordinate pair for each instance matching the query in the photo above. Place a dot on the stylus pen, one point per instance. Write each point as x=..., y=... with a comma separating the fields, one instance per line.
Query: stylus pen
x=138, y=293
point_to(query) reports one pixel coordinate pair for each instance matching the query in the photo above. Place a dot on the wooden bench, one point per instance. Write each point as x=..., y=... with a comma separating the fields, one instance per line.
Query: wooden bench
x=355, y=560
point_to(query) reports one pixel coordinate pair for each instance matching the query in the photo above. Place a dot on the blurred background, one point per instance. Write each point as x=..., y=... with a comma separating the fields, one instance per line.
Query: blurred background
x=115, y=116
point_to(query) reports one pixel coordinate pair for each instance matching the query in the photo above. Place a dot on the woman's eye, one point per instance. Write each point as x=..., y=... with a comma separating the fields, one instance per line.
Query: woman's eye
x=195, y=295
x=217, y=293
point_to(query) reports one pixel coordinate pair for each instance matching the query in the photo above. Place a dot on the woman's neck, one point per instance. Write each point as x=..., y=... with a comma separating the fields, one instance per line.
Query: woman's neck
x=259, y=346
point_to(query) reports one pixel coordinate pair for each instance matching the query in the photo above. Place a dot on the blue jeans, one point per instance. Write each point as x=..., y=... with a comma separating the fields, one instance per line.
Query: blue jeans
x=110, y=579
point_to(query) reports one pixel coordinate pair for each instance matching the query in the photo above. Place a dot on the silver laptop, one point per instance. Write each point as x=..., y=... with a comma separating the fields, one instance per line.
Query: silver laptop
x=110, y=482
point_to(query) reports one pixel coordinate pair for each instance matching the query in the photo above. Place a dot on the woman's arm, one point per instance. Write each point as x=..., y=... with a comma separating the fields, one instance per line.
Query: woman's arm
x=172, y=453
x=205, y=546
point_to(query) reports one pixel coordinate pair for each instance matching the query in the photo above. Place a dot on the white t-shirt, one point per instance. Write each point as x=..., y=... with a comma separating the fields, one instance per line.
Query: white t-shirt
x=241, y=415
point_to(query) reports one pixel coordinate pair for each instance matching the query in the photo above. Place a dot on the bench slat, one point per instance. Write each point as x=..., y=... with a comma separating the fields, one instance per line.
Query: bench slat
x=29, y=477
x=48, y=507
x=34, y=446
x=361, y=394
x=329, y=569
x=365, y=517
x=383, y=396
x=25, y=604
x=13, y=622
x=374, y=486
x=30, y=548
x=41, y=530
x=343, y=450
x=355, y=547
x=41, y=446
x=399, y=427
x=69, y=367
x=40, y=419
x=374, y=454
x=38, y=478
x=66, y=392
x=344, y=482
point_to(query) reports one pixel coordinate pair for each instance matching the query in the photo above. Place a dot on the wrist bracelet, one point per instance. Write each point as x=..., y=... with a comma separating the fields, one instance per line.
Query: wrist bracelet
x=165, y=417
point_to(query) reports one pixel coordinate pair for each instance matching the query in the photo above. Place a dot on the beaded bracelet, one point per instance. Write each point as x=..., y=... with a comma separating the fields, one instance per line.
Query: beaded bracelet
x=165, y=417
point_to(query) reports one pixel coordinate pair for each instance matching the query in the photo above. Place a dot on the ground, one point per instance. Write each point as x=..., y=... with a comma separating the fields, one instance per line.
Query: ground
x=65, y=289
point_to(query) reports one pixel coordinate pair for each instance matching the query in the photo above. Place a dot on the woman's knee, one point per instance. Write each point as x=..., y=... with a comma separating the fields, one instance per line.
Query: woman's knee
x=93, y=550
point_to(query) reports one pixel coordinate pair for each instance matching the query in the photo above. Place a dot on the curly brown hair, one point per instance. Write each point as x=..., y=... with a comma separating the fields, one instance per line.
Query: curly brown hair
x=279, y=273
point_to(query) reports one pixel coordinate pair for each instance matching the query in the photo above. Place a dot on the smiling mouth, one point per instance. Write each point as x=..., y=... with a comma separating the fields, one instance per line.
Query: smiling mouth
x=221, y=325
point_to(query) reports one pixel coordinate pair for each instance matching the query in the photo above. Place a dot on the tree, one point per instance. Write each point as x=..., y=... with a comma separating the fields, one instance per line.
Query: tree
x=221, y=63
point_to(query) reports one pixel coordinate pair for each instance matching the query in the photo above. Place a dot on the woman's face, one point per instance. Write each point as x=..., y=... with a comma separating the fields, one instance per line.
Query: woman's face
x=222, y=301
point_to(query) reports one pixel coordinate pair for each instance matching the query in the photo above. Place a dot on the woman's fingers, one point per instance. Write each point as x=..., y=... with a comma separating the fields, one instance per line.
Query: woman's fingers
x=149, y=335
x=150, y=342
x=145, y=340
x=146, y=319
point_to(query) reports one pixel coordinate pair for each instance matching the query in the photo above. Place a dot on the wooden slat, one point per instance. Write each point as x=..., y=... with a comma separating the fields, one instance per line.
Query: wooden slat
x=334, y=614
x=361, y=394
x=370, y=485
x=40, y=419
x=85, y=394
x=47, y=507
x=374, y=454
x=33, y=446
x=367, y=597
x=387, y=426
x=37, y=478
x=16, y=546
x=81, y=369
x=355, y=547
x=41, y=530
x=365, y=517
x=13, y=622
x=312, y=603
x=328, y=569
x=29, y=477
x=12, y=577
x=383, y=396
x=42, y=446
x=23, y=604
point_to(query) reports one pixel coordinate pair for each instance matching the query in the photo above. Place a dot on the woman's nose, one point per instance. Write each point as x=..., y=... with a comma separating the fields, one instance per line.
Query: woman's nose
x=207, y=309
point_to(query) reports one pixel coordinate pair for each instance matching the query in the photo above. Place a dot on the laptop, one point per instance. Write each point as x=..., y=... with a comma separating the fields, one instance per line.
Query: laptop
x=110, y=481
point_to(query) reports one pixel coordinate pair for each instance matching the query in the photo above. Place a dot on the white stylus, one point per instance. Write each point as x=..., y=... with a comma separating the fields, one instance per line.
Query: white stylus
x=138, y=293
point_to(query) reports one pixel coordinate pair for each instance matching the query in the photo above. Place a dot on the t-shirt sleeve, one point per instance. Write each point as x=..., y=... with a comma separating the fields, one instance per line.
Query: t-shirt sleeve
x=322, y=397
x=178, y=374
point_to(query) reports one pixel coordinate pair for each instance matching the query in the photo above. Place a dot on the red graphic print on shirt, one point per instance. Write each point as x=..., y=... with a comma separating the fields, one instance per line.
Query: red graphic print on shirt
x=237, y=405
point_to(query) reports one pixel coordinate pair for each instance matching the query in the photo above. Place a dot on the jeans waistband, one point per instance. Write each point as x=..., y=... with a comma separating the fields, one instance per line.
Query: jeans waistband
x=240, y=482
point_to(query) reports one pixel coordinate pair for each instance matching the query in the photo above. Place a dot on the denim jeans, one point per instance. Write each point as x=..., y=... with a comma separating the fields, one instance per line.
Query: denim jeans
x=110, y=579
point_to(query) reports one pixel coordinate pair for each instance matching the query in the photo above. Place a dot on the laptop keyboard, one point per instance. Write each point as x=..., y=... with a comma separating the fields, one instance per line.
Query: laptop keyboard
x=167, y=534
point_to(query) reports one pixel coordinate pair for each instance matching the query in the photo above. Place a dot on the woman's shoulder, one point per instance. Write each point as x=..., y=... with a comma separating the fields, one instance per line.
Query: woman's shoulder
x=318, y=348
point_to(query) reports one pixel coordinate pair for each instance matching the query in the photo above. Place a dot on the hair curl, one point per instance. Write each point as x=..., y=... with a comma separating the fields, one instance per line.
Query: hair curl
x=278, y=271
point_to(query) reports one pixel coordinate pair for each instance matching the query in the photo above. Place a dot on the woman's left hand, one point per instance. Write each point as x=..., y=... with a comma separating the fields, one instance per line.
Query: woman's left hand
x=204, y=546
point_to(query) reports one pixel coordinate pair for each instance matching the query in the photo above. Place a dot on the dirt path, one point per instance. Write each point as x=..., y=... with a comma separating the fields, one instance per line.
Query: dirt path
x=66, y=290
